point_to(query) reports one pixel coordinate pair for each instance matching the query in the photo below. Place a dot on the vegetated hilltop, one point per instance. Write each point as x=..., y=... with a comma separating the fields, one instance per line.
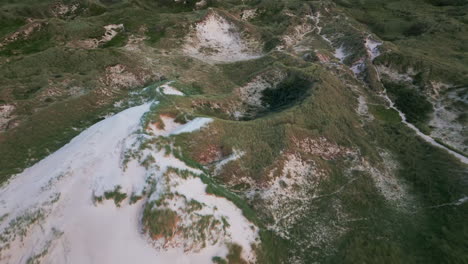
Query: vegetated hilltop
x=299, y=118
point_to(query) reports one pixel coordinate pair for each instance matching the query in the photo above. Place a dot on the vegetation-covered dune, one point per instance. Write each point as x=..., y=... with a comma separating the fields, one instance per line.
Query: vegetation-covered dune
x=254, y=131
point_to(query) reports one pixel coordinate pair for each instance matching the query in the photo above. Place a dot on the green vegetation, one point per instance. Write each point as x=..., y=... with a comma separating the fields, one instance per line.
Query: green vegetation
x=118, y=41
x=135, y=198
x=115, y=195
x=9, y=24
x=418, y=28
x=449, y=147
x=148, y=161
x=385, y=114
x=242, y=72
x=191, y=89
x=414, y=105
x=435, y=177
x=233, y=256
x=170, y=6
x=219, y=260
x=38, y=42
x=159, y=222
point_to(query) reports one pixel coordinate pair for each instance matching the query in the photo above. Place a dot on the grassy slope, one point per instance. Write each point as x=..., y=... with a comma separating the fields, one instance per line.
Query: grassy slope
x=427, y=36
x=417, y=29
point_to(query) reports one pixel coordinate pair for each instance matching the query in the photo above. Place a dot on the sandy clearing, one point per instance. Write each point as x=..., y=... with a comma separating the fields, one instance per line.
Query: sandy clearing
x=169, y=90
x=372, y=47
x=48, y=213
x=216, y=40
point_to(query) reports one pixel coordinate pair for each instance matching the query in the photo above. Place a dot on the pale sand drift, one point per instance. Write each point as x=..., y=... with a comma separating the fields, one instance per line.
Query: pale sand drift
x=171, y=127
x=47, y=213
x=169, y=90
x=5, y=115
x=372, y=48
x=110, y=32
x=446, y=127
x=340, y=53
x=216, y=40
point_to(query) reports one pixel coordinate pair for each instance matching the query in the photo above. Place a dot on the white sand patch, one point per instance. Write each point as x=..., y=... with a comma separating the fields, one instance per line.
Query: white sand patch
x=236, y=154
x=296, y=34
x=437, y=87
x=134, y=42
x=216, y=40
x=48, y=213
x=203, y=220
x=316, y=19
x=322, y=148
x=252, y=92
x=119, y=76
x=362, y=106
x=169, y=126
x=5, y=115
x=193, y=125
x=288, y=195
x=340, y=53
x=327, y=39
x=386, y=179
x=23, y=33
x=239, y=229
x=372, y=48
x=173, y=128
x=110, y=32
x=395, y=75
x=358, y=67
x=60, y=9
x=169, y=90
x=462, y=200
x=363, y=109
x=200, y=4
x=248, y=14
x=447, y=128
x=285, y=196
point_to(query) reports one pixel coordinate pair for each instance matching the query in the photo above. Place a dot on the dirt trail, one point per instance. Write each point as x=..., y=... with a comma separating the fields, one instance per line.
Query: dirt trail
x=426, y=138
x=373, y=52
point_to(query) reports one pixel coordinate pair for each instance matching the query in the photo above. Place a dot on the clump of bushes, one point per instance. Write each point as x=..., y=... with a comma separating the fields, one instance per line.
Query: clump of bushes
x=115, y=195
x=159, y=222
